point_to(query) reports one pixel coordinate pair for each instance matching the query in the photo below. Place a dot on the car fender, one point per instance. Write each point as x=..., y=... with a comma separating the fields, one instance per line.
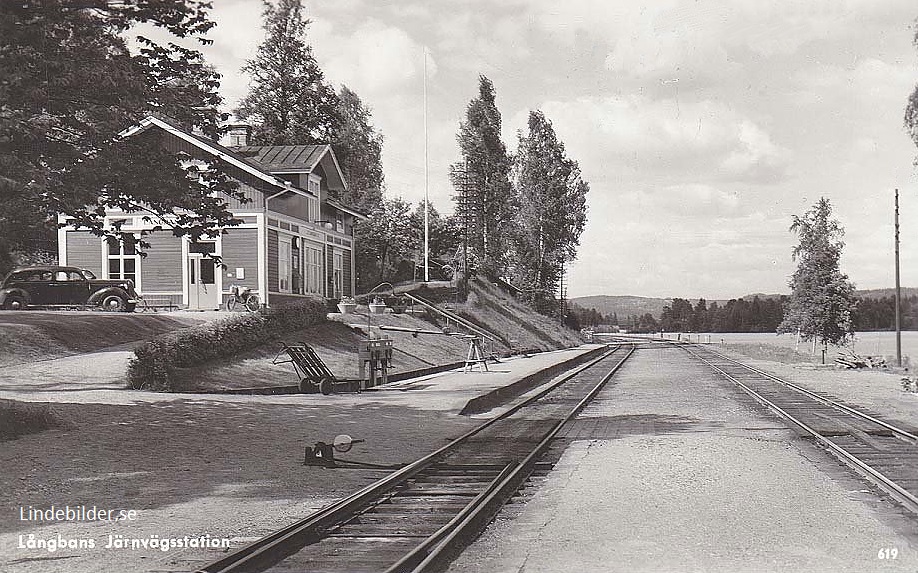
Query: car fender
x=5, y=293
x=96, y=297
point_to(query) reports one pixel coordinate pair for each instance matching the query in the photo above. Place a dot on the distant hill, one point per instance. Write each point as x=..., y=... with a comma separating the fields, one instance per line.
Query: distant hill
x=626, y=305
x=623, y=306
x=886, y=292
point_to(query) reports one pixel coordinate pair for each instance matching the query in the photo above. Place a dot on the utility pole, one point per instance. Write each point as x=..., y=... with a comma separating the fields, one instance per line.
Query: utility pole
x=898, y=291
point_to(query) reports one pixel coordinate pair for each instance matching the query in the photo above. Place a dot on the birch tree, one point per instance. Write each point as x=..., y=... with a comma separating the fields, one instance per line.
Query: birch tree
x=552, y=211
x=822, y=298
x=484, y=196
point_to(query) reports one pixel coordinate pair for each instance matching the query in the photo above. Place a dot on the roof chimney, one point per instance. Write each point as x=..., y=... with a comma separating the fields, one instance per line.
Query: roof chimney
x=236, y=135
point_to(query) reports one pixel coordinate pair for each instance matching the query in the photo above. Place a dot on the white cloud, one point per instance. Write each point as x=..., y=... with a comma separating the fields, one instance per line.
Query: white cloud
x=708, y=38
x=872, y=81
x=703, y=139
x=373, y=58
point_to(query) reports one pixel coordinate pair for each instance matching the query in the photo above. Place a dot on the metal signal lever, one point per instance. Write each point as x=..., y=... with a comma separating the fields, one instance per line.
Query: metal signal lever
x=323, y=454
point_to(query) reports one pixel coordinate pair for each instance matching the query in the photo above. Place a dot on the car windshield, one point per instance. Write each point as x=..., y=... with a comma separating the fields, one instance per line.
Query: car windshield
x=88, y=274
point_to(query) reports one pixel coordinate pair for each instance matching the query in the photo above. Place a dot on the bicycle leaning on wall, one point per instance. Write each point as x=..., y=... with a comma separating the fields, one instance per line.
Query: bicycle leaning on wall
x=244, y=297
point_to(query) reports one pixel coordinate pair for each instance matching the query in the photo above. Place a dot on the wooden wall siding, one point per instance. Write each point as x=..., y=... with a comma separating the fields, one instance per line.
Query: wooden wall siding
x=346, y=273
x=84, y=250
x=240, y=250
x=161, y=269
x=292, y=205
x=176, y=144
x=164, y=300
x=256, y=199
x=330, y=272
x=272, y=262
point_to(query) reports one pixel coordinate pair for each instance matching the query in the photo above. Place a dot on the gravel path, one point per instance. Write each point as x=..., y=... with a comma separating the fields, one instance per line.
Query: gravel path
x=698, y=478
x=105, y=369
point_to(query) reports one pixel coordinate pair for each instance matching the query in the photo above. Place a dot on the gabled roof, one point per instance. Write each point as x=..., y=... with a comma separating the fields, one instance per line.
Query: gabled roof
x=260, y=161
x=294, y=159
x=280, y=158
x=208, y=146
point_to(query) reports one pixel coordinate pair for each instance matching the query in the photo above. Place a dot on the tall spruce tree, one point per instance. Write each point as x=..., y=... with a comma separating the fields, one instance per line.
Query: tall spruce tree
x=822, y=299
x=484, y=195
x=552, y=211
x=289, y=101
x=68, y=86
x=358, y=146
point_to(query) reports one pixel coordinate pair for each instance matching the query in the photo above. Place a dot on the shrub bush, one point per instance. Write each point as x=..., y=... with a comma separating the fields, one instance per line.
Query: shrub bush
x=156, y=364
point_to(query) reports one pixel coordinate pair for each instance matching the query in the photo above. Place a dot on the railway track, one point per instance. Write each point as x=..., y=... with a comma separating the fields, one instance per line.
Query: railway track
x=882, y=452
x=419, y=517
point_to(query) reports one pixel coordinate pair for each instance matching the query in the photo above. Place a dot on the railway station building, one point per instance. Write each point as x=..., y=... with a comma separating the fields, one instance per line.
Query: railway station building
x=295, y=240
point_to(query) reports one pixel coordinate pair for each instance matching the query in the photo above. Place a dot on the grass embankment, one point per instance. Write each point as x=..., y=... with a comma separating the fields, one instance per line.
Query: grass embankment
x=170, y=362
x=31, y=336
x=337, y=341
x=490, y=307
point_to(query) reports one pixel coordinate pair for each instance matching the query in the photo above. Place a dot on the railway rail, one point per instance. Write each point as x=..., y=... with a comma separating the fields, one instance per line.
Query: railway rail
x=884, y=453
x=420, y=516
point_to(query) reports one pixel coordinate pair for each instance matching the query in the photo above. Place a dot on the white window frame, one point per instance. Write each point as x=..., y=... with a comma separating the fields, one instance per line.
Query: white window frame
x=284, y=264
x=338, y=273
x=312, y=268
x=121, y=257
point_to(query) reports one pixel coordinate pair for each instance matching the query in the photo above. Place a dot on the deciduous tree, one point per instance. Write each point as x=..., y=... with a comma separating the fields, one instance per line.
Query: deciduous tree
x=389, y=238
x=484, y=196
x=822, y=299
x=911, y=106
x=445, y=237
x=552, y=211
x=68, y=85
x=358, y=146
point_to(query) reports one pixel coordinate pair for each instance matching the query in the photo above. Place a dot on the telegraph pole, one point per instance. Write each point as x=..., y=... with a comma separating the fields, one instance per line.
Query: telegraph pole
x=898, y=291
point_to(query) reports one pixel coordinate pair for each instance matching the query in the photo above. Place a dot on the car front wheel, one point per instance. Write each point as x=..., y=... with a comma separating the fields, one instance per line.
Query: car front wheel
x=114, y=303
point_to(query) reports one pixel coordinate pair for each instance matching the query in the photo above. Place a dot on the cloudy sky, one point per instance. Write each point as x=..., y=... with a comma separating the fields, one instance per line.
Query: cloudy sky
x=701, y=125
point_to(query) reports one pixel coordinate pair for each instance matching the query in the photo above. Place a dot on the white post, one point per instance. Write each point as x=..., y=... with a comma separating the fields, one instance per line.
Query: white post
x=426, y=182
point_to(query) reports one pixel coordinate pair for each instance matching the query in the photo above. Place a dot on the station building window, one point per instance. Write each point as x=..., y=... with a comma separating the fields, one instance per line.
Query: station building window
x=123, y=259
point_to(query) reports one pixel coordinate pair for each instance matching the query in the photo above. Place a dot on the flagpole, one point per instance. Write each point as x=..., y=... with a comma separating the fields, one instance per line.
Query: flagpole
x=426, y=182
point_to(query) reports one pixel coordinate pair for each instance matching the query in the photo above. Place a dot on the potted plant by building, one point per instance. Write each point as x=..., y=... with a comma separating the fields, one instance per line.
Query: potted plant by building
x=347, y=305
x=377, y=306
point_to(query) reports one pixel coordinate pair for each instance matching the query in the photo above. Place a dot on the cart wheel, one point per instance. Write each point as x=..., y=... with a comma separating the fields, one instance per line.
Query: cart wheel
x=325, y=386
x=307, y=387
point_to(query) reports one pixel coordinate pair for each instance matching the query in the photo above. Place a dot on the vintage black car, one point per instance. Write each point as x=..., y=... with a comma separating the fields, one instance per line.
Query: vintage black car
x=65, y=286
